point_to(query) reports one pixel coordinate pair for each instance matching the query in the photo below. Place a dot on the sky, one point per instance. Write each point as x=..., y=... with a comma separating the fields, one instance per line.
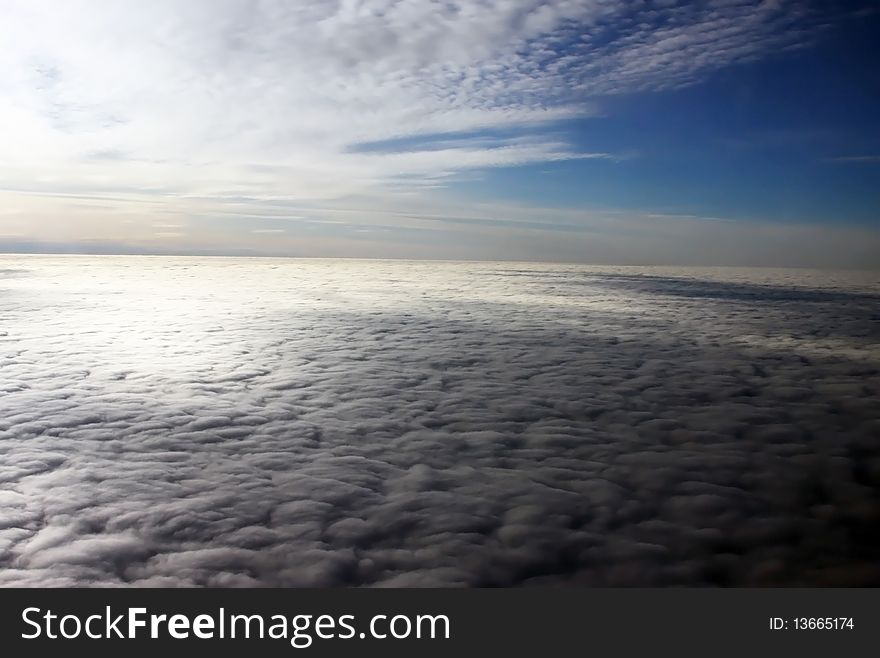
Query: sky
x=722, y=132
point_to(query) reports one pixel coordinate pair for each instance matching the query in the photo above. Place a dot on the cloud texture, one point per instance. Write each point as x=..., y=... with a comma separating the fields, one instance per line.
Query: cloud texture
x=290, y=423
x=279, y=99
x=244, y=127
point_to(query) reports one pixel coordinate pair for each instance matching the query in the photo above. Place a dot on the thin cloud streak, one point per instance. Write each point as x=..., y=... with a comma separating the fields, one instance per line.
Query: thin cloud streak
x=850, y=159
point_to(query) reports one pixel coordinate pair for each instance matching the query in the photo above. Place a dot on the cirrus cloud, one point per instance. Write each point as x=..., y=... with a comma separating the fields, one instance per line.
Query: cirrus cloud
x=273, y=98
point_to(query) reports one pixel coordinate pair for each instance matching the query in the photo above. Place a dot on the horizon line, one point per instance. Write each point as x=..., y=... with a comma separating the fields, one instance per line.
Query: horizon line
x=87, y=254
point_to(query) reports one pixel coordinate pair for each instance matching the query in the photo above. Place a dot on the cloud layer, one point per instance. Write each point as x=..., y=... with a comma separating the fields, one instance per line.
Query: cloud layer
x=287, y=423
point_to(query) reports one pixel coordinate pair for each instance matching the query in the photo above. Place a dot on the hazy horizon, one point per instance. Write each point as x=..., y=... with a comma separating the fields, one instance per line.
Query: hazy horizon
x=257, y=256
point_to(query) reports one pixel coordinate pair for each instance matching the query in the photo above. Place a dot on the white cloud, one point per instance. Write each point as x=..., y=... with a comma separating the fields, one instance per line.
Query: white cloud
x=270, y=98
x=221, y=117
x=186, y=421
x=267, y=97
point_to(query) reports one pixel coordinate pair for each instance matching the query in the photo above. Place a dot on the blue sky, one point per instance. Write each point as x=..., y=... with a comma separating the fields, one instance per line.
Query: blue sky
x=657, y=132
x=793, y=137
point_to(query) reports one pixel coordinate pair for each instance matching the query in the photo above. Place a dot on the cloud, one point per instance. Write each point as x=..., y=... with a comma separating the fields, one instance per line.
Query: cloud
x=849, y=159
x=355, y=124
x=239, y=422
x=275, y=99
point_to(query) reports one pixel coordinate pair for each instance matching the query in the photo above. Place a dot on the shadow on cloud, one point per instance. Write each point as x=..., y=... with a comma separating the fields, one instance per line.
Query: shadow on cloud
x=381, y=424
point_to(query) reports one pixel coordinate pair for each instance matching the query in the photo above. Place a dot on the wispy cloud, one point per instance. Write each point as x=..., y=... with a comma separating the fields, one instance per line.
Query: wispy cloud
x=275, y=98
x=849, y=159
